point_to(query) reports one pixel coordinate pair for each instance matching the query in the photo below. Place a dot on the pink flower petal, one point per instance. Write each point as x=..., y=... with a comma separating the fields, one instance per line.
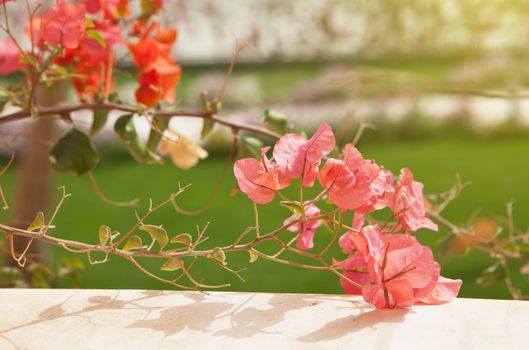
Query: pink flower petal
x=445, y=290
x=307, y=228
x=258, y=184
x=300, y=158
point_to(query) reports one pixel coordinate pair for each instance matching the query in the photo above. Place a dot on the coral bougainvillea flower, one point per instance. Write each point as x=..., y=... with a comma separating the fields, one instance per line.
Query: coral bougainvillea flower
x=158, y=72
x=184, y=152
x=355, y=183
x=407, y=203
x=307, y=229
x=259, y=180
x=9, y=57
x=300, y=158
x=112, y=10
x=157, y=83
x=63, y=24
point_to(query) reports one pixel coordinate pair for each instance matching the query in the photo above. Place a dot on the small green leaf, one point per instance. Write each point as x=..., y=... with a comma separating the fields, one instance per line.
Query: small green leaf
x=250, y=147
x=275, y=121
x=294, y=206
x=104, y=234
x=100, y=118
x=88, y=23
x=28, y=59
x=94, y=34
x=184, y=238
x=158, y=233
x=3, y=101
x=125, y=129
x=218, y=255
x=171, y=264
x=134, y=243
x=492, y=274
x=74, y=153
x=207, y=127
x=40, y=276
x=253, y=256
x=38, y=222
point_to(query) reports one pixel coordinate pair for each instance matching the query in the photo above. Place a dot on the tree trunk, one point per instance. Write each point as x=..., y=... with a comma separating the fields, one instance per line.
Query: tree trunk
x=34, y=179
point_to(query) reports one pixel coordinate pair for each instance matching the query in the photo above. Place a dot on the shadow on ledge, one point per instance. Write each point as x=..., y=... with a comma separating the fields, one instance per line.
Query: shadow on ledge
x=235, y=315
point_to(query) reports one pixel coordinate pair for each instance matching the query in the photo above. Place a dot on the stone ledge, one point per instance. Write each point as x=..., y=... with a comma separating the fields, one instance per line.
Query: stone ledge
x=137, y=319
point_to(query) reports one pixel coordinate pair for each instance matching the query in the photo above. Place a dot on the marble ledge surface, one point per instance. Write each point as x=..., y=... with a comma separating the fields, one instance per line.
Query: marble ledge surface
x=142, y=319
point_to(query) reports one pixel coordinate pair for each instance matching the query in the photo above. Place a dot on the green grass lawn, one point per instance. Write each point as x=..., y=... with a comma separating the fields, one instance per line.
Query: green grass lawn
x=498, y=170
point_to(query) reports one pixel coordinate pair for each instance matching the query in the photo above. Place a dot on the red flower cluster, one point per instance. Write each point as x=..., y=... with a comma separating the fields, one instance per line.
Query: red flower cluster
x=151, y=54
x=81, y=36
x=389, y=269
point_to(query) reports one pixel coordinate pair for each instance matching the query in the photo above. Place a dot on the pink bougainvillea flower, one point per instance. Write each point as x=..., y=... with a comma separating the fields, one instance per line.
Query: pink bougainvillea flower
x=445, y=290
x=63, y=24
x=9, y=57
x=36, y=34
x=407, y=203
x=92, y=50
x=259, y=180
x=4, y=1
x=307, y=228
x=355, y=270
x=403, y=272
x=300, y=158
x=346, y=241
x=355, y=183
x=257, y=183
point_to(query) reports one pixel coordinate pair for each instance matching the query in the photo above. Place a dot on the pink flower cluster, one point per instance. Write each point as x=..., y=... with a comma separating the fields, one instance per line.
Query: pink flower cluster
x=387, y=265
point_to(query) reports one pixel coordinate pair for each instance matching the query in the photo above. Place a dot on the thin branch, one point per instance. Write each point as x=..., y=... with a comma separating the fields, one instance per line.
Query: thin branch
x=42, y=111
x=104, y=198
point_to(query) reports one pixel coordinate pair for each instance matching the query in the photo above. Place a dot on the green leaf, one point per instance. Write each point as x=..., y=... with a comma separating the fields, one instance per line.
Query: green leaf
x=3, y=101
x=294, y=206
x=11, y=276
x=74, y=153
x=100, y=118
x=28, y=59
x=104, y=234
x=184, y=238
x=171, y=264
x=125, y=129
x=158, y=233
x=38, y=222
x=40, y=276
x=156, y=135
x=492, y=274
x=207, y=127
x=253, y=256
x=218, y=255
x=250, y=147
x=94, y=34
x=88, y=23
x=134, y=243
x=275, y=121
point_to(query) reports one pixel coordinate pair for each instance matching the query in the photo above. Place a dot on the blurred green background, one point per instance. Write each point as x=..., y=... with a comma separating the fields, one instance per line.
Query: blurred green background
x=444, y=102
